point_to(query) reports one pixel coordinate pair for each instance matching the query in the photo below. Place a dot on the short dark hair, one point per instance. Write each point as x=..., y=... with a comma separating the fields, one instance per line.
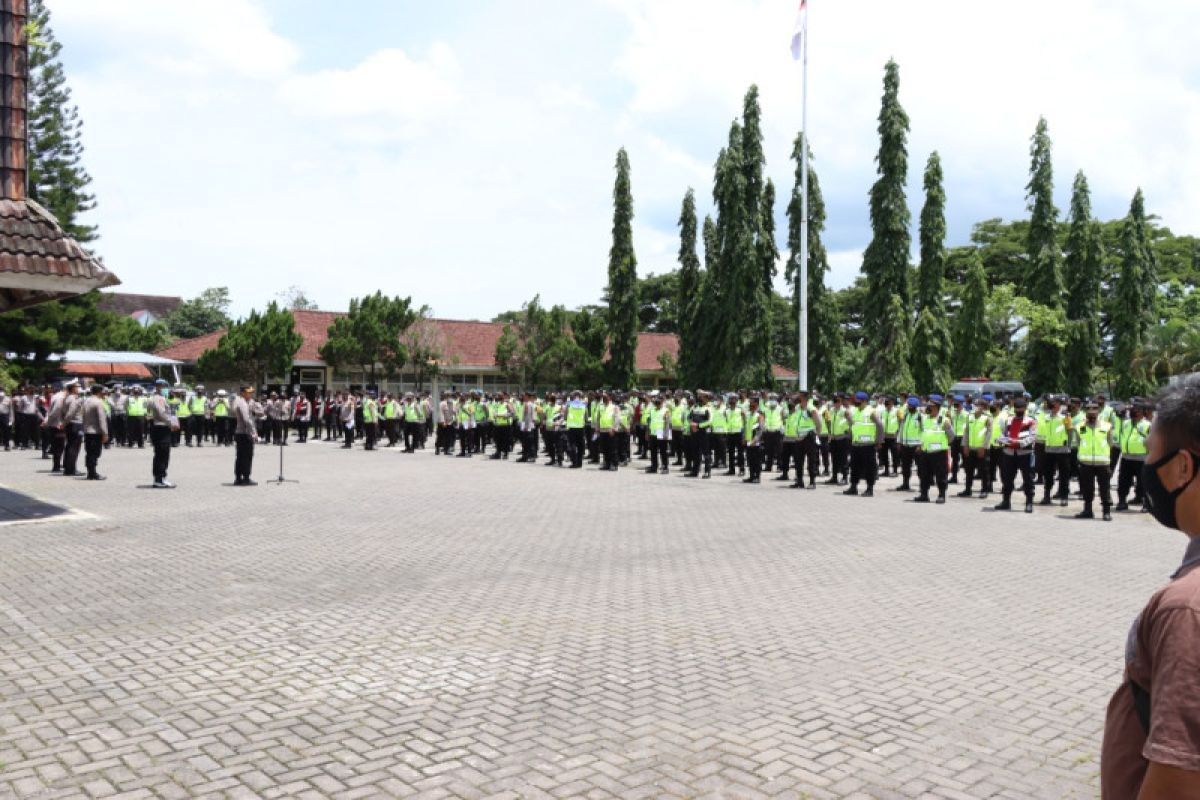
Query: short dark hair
x=246, y=387
x=1177, y=417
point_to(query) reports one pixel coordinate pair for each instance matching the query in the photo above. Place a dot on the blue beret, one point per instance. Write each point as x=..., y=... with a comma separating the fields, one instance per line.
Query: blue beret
x=161, y=382
x=913, y=402
x=861, y=396
x=958, y=398
x=988, y=397
x=935, y=398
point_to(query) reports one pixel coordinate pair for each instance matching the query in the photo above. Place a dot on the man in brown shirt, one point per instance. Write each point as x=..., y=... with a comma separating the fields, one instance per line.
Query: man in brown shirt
x=1151, y=747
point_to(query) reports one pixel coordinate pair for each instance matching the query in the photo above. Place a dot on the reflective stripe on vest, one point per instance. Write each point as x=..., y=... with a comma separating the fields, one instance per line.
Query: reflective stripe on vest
x=1056, y=434
x=910, y=433
x=976, y=430
x=1133, y=437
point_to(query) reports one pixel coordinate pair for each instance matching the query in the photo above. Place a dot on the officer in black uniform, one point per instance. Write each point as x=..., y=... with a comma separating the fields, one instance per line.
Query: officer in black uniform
x=699, y=420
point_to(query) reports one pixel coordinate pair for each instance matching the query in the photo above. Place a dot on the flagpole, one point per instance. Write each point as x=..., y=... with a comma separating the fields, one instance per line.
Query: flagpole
x=802, y=273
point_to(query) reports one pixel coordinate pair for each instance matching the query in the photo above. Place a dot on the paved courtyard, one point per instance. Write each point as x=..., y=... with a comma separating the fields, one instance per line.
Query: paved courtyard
x=399, y=625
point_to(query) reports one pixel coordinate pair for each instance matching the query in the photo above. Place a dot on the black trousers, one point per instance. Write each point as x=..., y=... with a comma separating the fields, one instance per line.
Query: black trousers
x=243, y=458
x=825, y=454
x=935, y=472
x=578, y=445
x=71, y=449
x=659, y=453
x=889, y=455
x=806, y=454
x=735, y=452
x=956, y=455
x=1129, y=475
x=160, y=438
x=608, y=447
x=413, y=430
x=1010, y=465
x=1093, y=477
x=27, y=428
x=772, y=445
x=976, y=466
x=58, y=443
x=839, y=450
x=1057, y=464
x=302, y=430
x=754, y=457
x=863, y=466
x=93, y=446
x=1039, y=461
x=908, y=457
x=699, y=452
x=5, y=432
x=137, y=431
x=349, y=434
x=117, y=434
x=372, y=434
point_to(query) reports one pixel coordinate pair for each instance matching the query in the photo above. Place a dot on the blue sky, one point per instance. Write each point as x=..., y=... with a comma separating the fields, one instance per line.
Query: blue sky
x=461, y=152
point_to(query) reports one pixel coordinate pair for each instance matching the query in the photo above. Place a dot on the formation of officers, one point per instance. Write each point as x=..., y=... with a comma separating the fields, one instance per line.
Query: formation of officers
x=848, y=440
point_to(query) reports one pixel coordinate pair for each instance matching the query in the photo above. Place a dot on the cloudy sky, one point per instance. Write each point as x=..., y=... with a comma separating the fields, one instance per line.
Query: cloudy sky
x=461, y=151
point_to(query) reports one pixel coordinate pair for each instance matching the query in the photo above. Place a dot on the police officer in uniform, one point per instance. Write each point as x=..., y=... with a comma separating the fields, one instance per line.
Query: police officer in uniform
x=1095, y=439
x=699, y=421
x=936, y=433
x=95, y=431
x=158, y=413
x=866, y=437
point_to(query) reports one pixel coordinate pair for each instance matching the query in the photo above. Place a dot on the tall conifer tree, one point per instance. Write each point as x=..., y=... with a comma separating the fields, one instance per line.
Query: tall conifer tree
x=1133, y=314
x=622, y=282
x=57, y=178
x=1043, y=281
x=885, y=262
x=1083, y=275
x=971, y=335
x=931, y=350
x=689, y=289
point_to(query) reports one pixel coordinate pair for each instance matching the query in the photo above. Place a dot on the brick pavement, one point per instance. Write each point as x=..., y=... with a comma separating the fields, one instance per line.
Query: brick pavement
x=415, y=625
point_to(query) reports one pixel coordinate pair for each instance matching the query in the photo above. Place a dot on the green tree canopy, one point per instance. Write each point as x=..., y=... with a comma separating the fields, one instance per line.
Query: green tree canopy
x=622, y=282
x=371, y=335
x=255, y=349
x=205, y=313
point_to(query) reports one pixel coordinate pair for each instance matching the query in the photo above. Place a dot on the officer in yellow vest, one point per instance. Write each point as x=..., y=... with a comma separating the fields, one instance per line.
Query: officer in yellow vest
x=936, y=433
x=1095, y=441
x=772, y=439
x=1133, y=451
x=135, y=410
x=910, y=442
x=503, y=417
x=977, y=441
x=958, y=418
x=659, y=431
x=577, y=411
x=866, y=437
x=808, y=427
x=839, y=440
x=889, y=454
x=606, y=428
x=1059, y=427
x=370, y=411
x=753, y=427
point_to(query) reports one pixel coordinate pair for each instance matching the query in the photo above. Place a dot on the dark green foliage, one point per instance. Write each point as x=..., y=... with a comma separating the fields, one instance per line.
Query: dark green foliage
x=885, y=262
x=587, y=328
x=622, y=283
x=1043, y=281
x=892, y=347
x=971, y=336
x=257, y=348
x=57, y=178
x=536, y=349
x=688, y=299
x=371, y=336
x=931, y=348
x=1083, y=274
x=1133, y=313
x=207, y=312
x=824, y=329
x=34, y=334
x=117, y=332
x=658, y=302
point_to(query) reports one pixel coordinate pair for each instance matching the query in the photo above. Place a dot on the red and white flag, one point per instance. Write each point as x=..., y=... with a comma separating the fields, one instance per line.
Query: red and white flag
x=800, y=30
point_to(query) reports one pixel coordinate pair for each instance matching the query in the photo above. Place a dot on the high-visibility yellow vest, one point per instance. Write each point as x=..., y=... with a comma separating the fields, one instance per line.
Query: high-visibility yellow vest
x=999, y=425
x=1042, y=430
x=959, y=420
x=1093, y=444
x=977, y=430
x=1056, y=433
x=719, y=420
x=136, y=407
x=576, y=412
x=933, y=434
x=863, y=430
x=806, y=424
x=220, y=409
x=891, y=422
x=197, y=405
x=735, y=420
x=841, y=425
x=774, y=419
x=910, y=430
x=182, y=410
x=658, y=419
x=608, y=416
x=1133, y=437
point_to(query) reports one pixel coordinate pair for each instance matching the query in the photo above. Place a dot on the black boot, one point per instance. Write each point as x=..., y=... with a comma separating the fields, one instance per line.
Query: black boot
x=1003, y=505
x=1086, y=513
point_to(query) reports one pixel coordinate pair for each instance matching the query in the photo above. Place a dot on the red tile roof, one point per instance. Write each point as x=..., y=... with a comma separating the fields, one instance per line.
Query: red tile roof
x=104, y=370
x=39, y=262
x=466, y=343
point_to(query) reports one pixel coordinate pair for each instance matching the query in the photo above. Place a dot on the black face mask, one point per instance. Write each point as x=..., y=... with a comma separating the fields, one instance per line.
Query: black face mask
x=1160, y=500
